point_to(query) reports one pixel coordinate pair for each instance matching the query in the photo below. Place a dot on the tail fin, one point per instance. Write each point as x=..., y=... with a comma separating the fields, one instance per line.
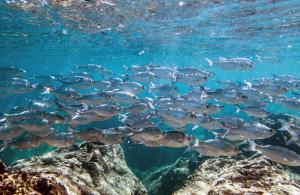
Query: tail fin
x=188, y=149
x=238, y=108
x=125, y=67
x=3, y=146
x=252, y=146
x=210, y=63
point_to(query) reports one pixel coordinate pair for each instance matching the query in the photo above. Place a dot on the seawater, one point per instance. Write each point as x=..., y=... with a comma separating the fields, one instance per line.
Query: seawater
x=44, y=37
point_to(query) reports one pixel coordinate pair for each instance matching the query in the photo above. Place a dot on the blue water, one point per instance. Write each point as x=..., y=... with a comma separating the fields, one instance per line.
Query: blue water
x=45, y=38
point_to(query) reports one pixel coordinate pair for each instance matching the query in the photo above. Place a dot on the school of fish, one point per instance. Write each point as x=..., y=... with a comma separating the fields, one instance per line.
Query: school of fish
x=155, y=106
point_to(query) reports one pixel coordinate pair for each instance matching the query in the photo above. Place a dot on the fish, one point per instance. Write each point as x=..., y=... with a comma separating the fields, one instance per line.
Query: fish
x=255, y=111
x=10, y=72
x=163, y=90
x=199, y=107
x=289, y=103
x=230, y=122
x=130, y=86
x=25, y=143
x=9, y=132
x=148, y=134
x=87, y=117
x=271, y=89
x=163, y=72
x=280, y=154
x=142, y=77
x=193, y=70
x=193, y=80
x=228, y=96
x=122, y=97
x=175, y=118
x=95, y=68
x=108, y=136
x=206, y=122
x=252, y=131
x=94, y=99
x=175, y=139
x=214, y=148
x=293, y=130
x=233, y=64
x=106, y=110
x=139, y=107
x=59, y=140
x=49, y=117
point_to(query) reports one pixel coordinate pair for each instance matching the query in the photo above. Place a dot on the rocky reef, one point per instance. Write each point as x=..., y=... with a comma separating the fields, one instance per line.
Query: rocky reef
x=231, y=176
x=170, y=178
x=85, y=169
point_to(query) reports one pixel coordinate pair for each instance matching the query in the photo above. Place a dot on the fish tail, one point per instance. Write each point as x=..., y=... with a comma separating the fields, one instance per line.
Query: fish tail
x=125, y=67
x=3, y=146
x=188, y=149
x=252, y=146
x=238, y=108
x=210, y=63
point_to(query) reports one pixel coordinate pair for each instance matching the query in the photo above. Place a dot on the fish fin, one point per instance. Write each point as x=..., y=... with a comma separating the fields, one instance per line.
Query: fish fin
x=225, y=134
x=188, y=149
x=210, y=63
x=196, y=142
x=248, y=84
x=222, y=59
x=238, y=108
x=252, y=145
x=152, y=85
x=3, y=146
x=292, y=140
x=3, y=119
x=126, y=77
x=195, y=127
x=150, y=105
x=125, y=67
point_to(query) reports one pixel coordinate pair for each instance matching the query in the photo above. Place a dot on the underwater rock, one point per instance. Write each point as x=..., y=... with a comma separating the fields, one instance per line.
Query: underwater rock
x=231, y=176
x=85, y=169
x=168, y=179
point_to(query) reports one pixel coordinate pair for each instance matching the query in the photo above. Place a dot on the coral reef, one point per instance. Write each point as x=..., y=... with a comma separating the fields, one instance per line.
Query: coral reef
x=84, y=169
x=231, y=176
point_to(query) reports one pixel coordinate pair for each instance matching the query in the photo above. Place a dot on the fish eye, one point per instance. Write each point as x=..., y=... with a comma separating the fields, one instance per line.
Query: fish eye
x=207, y=106
x=235, y=149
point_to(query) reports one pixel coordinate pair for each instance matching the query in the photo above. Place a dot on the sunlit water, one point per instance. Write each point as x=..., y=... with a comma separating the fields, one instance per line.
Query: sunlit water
x=48, y=37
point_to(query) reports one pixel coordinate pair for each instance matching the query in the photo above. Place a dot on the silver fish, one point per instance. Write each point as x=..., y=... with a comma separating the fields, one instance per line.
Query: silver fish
x=148, y=134
x=9, y=72
x=191, y=80
x=8, y=132
x=59, y=140
x=255, y=111
x=280, y=154
x=291, y=104
x=233, y=64
x=142, y=77
x=228, y=96
x=215, y=148
x=163, y=90
x=175, y=139
x=132, y=87
x=122, y=97
x=252, y=131
x=175, y=118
